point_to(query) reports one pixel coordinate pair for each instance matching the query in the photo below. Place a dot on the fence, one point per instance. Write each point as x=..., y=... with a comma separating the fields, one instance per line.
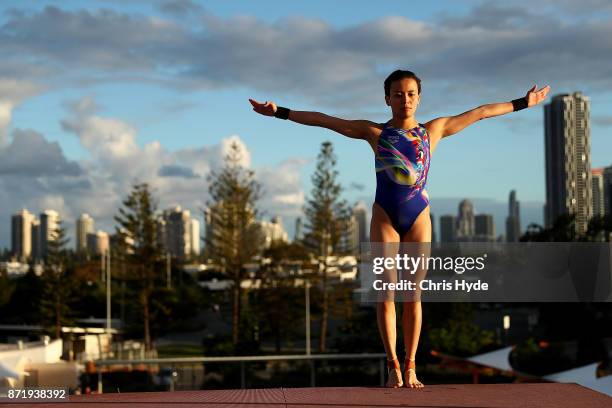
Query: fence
x=243, y=361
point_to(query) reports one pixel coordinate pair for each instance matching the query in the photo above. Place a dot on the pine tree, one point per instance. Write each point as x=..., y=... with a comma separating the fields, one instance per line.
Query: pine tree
x=57, y=284
x=327, y=226
x=232, y=239
x=280, y=301
x=139, y=248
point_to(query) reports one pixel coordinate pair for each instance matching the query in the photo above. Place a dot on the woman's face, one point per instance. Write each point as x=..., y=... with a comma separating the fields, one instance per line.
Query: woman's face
x=403, y=98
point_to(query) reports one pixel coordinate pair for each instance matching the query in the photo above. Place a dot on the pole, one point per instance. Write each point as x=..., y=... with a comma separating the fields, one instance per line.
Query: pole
x=102, y=266
x=307, y=289
x=108, y=292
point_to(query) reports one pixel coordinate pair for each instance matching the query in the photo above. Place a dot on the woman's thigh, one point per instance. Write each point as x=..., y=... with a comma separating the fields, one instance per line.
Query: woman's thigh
x=384, y=243
x=421, y=229
x=381, y=228
x=417, y=244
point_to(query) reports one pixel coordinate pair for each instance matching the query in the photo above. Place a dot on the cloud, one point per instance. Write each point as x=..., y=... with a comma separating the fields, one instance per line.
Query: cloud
x=282, y=191
x=176, y=171
x=35, y=174
x=180, y=8
x=12, y=93
x=30, y=155
x=356, y=186
x=491, y=51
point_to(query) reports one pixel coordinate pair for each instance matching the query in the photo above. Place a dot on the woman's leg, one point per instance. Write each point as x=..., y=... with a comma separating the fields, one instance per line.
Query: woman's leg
x=381, y=230
x=420, y=232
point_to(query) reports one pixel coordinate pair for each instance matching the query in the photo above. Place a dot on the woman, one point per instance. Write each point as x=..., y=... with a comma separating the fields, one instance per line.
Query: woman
x=402, y=148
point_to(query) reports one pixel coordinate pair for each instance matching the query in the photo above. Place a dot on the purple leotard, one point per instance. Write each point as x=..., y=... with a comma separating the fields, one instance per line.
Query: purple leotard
x=402, y=164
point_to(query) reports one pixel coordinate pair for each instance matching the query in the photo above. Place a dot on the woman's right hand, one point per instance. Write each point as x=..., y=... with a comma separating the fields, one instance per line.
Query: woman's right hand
x=268, y=108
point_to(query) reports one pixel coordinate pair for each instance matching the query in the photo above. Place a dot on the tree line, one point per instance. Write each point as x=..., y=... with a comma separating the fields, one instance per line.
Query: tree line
x=70, y=287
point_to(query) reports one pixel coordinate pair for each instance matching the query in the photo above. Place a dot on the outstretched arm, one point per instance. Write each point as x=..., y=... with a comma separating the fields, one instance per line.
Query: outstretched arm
x=446, y=126
x=357, y=129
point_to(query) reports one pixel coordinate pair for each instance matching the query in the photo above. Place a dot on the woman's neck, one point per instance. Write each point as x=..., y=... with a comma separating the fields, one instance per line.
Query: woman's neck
x=404, y=123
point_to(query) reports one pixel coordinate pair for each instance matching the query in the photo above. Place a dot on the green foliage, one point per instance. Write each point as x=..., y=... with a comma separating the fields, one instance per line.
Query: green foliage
x=530, y=358
x=232, y=238
x=327, y=225
x=58, y=284
x=218, y=346
x=22, y=306
x=564, y=230
x=279, y=303
x=327, y=215
x=6, y=289
x=139, y=252
x=460, y=336
x=359, y=332
x=599, y=229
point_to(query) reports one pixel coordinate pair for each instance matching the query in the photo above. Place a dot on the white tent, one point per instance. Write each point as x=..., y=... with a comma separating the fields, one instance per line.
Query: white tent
x=585, y=376
x=6, y=372
x=499, y=359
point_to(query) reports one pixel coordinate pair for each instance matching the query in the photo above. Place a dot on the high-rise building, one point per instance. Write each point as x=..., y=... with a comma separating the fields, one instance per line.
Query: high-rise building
x=49, y=224
x=607, y=188
x=122, y=239
x=597, y=178
x=194, y=234
x=484, y=228
x=272, y=231
x=465, y=221
x=36, y=243
x=353, y=236
x=177, y=232
x=161, y=232
x=448, y=228
x=21, y=234
x=298, y=235
x=98, y=242
x=360, y=212
x=568, y=159
x=208, y=227
x=513, y=221
x=84, y=226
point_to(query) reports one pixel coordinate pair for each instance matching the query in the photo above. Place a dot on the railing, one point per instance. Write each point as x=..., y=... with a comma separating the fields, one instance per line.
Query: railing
x=243, y=360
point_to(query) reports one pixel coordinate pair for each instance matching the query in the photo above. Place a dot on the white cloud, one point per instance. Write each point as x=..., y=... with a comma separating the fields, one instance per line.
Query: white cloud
x=295, y=199
x=491, y=51
x=12, y=93
x=37, y=175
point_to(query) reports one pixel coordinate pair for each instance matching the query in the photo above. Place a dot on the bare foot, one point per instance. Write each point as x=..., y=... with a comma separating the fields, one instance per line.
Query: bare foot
x=411, y=379
x=395, y=374
x=410, y=374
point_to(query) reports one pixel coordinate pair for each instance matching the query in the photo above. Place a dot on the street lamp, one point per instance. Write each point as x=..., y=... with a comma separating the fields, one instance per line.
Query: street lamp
x=506, y=323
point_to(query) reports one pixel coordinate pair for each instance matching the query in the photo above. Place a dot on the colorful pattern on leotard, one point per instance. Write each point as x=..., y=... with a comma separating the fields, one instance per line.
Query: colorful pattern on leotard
x=402, y=165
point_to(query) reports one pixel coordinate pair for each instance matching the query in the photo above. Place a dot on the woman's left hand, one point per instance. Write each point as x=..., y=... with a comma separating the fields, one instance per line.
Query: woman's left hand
x=534, y=96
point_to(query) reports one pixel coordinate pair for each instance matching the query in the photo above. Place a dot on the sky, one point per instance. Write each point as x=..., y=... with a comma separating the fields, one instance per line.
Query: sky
x=98, y=95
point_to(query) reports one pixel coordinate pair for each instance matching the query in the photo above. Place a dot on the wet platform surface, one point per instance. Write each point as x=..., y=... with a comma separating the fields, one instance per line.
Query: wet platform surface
x=440, y=396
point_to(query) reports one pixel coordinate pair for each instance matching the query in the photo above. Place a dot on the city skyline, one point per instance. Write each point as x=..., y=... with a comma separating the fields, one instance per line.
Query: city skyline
x=360, y=220
x=126, y=92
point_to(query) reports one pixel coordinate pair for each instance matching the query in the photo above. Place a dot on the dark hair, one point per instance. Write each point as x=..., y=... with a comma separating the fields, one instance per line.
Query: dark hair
x=396, y=76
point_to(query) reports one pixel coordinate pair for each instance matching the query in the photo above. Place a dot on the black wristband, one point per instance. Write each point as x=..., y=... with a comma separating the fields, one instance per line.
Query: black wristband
x=519, y=104
x=282, y=113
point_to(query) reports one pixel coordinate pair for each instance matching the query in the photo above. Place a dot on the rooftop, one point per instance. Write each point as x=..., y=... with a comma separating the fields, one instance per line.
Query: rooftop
x=447, y=396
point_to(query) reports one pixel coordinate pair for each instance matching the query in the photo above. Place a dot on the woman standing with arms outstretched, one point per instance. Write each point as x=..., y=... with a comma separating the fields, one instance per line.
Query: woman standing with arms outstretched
x=402, y=149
